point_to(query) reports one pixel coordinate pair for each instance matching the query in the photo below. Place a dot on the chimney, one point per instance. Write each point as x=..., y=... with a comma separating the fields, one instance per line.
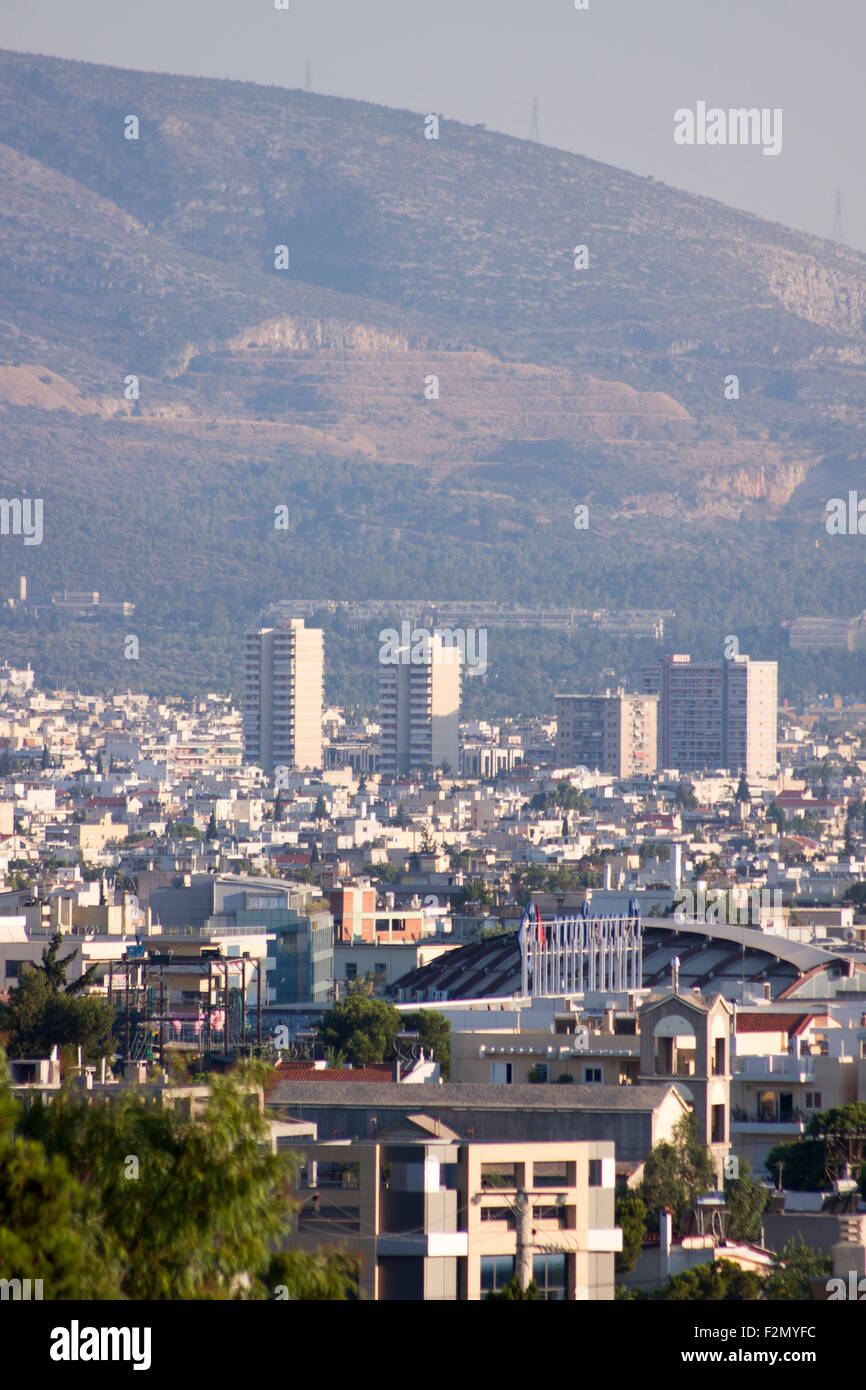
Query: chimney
x=675, y=974
x=666, y=1227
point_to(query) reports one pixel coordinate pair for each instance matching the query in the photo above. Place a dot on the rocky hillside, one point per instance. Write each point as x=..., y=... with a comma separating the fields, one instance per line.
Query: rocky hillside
x=431, y=320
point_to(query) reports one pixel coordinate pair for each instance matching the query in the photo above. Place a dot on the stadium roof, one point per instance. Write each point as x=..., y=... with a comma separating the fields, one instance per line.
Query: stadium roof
x=722, y=958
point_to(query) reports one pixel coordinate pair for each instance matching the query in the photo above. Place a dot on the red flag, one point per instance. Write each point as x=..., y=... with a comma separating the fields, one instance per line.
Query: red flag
x=539, y=926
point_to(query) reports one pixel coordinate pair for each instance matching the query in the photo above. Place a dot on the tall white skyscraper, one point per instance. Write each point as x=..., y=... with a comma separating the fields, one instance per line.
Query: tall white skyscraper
x=283, y=696
x=715, y=714
x=419, y=709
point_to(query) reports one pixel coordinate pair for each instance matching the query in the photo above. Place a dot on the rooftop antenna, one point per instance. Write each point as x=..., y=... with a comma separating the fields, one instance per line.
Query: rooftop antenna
x=837, y=219
x=534, y=131
x=308, y=77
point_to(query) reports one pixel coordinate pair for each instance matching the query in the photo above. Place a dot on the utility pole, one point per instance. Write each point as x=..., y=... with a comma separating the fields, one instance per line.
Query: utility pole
x=259, y=1001
x=161, y=1013
x=523, y=1228
x=209, y=1002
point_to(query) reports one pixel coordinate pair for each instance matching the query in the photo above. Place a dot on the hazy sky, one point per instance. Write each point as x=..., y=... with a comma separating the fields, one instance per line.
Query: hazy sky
x=608, y=79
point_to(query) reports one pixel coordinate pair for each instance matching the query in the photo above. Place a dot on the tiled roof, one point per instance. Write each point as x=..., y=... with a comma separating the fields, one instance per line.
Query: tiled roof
x=762, y=1022
x=305, y=1071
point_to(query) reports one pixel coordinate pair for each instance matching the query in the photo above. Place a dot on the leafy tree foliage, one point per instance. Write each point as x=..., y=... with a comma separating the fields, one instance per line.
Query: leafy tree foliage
x=44, y=1233
x=720, y=1282
x=180, y=1207
x=631, y=1218
x=804, y=1160
x=361, y=1030
x=685, y=796
x=434, y=1031
x=45, y=1011
x=676, y=1174
x=797, y=1263
x=745, y=1199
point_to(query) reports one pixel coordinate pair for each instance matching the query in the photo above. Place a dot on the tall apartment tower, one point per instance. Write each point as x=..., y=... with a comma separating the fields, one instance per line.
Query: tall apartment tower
x=613, y=733
x=283, y=696
x=419, y=709
x=715, y=714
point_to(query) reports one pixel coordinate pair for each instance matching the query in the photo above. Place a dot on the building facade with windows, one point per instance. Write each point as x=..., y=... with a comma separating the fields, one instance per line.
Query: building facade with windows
x=614, y=734
x=429, y=1216
x=715, y=714
x=419, y=709
x=283, y=696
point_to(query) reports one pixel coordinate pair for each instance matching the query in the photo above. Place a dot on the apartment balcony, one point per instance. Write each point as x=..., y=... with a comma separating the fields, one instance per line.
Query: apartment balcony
x=772, y=1129
x=776, y=1067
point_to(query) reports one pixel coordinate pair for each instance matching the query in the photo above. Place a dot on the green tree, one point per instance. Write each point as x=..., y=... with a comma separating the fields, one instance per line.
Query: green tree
x=185, y=1208
x=434, y=1033
x=44, y=1011
x=279, y=809
x=631, y=1218
x=360, y=1030
x=685, y=796
x=742, y=794
x=720, y=1282
x=856, y=894
x=745, y=1200
x=804, y=1160
x=676, y=1174
x=320, y=810
x=44, y=1233
x=795, y=1265
x=212, y=833
x=477, y=891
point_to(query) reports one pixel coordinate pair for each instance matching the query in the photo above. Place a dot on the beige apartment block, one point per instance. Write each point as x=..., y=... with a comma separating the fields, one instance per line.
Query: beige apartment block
x=94, y=835
x=430, y=1217
x=614, y=733
x=419, y=709
x=284, y=696
x=715, y=714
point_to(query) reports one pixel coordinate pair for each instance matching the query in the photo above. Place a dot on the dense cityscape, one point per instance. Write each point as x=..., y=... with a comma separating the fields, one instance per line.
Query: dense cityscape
x=432, y=678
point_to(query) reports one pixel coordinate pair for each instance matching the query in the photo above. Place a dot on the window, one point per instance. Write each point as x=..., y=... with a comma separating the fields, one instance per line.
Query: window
x=553, y=1174
x=501, y=1073
x=351, y=970
x=768, y=1107
x=719, y=1057
x=718, y=1125
x=592, y=1076
x=550, y=1273
x=555, y=1213
x=380, y=970
x=541, y=1070
x=501, y=1174
x=496, y=1272
x=813, y=1100
x=595, y=1172
x=499, y=1214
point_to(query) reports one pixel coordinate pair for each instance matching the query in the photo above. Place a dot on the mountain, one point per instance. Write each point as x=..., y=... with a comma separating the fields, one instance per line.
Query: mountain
x=313, y=386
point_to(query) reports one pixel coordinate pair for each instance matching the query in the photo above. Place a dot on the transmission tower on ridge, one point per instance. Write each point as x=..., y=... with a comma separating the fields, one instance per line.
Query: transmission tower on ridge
x=837, y=219
x=308, y=77
x=534, y=131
